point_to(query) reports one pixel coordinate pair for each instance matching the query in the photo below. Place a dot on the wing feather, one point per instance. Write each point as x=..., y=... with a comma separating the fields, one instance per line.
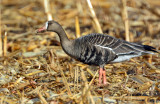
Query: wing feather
x=122, y=49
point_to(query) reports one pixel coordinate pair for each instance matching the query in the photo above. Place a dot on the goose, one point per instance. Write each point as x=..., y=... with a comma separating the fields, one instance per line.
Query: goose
x=97, y=49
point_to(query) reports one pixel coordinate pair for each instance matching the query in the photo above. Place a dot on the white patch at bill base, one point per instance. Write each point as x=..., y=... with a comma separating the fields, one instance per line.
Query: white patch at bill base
x=46, y=25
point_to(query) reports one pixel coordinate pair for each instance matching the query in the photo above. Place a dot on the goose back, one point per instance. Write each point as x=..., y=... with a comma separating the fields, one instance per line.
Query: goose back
x=99, y=49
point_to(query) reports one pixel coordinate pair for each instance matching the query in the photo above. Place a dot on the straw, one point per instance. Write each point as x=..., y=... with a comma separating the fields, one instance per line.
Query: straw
x=86, y=90
x=93, y=15
x=5, y=44
x=65, y=80
x=0, y=36
x=41, y=97
x=47, y=9
x=77, y=27
x=126, y=21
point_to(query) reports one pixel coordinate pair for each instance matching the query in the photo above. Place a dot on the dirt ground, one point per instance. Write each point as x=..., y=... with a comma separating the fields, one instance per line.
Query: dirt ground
x=34, y=68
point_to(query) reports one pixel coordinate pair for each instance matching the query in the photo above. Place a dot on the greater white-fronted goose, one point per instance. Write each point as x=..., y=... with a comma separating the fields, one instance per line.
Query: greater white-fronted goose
x=97, y=49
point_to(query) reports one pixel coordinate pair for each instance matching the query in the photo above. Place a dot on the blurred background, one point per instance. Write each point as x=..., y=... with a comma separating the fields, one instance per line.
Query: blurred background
x=34, y=68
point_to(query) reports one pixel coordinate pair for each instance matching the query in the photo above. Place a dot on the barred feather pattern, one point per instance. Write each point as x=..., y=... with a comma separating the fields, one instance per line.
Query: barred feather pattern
x=100, y=49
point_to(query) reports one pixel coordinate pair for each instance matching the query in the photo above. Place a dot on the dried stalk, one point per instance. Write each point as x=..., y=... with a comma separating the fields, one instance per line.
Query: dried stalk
x=5, y=44
x=94, y=17
x=150, y=59
x=93, y=78
x=2, y=99
x=47, y=9
x=76, y=78
x=151, y=66
x=5, y=100
x=22, y=99
x=86, y=91
x=42, y=98
x=65, y=81
x=77, y=27
x=126, y=21
x=1, y=52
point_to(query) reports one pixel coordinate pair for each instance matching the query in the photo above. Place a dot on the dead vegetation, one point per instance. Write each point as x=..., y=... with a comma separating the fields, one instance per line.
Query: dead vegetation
x=34, y=69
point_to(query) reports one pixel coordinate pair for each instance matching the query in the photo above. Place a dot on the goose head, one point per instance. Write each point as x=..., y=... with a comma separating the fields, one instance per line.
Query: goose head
x=51, y=26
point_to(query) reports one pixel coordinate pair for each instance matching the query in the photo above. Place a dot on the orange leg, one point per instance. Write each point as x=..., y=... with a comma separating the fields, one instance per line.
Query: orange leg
x=100, y=75
x=104, y=77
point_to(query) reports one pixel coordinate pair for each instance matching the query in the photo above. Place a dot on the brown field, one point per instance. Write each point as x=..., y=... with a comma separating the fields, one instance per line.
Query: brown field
x=34, y=68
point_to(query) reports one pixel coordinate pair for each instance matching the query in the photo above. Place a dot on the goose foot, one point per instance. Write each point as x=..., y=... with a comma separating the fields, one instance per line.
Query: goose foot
x=102, y=75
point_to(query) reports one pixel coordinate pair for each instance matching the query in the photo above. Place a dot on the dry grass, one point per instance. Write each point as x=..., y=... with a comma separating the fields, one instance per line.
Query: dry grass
x=126, y=20
x=34, y=69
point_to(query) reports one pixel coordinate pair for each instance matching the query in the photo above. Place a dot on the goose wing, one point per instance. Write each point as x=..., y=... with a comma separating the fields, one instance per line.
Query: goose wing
x=122, y=49
x=89, y=50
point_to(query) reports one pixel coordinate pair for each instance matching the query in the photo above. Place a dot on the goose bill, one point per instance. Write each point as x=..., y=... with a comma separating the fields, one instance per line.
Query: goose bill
x=42, y=29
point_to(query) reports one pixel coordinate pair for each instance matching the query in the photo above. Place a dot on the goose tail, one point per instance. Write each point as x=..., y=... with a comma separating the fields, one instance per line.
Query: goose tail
x=150, y=48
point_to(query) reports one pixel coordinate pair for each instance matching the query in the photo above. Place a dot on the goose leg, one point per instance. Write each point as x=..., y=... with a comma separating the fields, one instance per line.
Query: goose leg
x=104, y=77
x=100, y=75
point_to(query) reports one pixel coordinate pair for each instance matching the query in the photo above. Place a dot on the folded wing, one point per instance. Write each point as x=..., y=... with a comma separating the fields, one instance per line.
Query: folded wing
x=124, y=50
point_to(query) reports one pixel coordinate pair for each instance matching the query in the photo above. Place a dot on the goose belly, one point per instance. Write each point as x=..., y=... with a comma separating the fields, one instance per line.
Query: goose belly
x=123, y=58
